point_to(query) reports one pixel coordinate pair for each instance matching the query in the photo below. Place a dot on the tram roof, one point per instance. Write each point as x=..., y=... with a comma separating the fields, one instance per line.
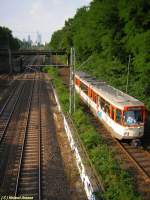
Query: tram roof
x=111, y=94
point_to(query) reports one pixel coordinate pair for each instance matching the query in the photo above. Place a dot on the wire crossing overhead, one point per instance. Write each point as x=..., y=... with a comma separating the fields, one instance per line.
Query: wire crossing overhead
x=33, y=52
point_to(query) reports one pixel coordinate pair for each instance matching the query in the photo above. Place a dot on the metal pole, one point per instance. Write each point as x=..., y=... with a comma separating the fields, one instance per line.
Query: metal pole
x=70, y=84
x=72, y=87
x=128, y=73
x=74, y=94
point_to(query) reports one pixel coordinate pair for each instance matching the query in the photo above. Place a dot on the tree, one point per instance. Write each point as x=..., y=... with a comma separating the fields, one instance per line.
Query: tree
x=7, y=40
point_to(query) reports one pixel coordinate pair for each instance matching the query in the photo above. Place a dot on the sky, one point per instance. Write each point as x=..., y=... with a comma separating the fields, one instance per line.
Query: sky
x=27, y=17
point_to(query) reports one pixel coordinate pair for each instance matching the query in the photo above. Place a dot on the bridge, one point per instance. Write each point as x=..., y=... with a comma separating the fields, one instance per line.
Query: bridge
x=32, y=52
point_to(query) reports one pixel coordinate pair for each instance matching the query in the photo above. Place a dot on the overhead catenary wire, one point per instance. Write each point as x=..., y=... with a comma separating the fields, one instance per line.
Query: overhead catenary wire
x=85, y=61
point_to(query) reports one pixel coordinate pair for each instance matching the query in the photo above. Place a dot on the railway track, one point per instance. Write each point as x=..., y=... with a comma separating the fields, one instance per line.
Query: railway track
x=30, y=162
x=8, y=109
x=136, y=160
x=15, y=149
x=140, y=158
x=8, y=143
x=24, y=172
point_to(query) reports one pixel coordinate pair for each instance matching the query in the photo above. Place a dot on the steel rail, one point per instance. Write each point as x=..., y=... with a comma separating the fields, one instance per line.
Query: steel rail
x=7, y=101
x=12, y=111
x=133, y=159
x=10, y=96
x=24, y=139
x=40, y=129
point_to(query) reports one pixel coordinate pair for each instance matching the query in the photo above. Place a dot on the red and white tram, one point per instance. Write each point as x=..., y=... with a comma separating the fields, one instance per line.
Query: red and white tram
x=124, y=115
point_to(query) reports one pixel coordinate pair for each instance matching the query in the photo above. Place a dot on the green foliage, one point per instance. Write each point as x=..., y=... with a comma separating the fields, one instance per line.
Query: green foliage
x=7, y=40
x=90, y=138
x=56, y=38
x=79, y=116
x=117, y=182
x=109, y=31
x=61, y=90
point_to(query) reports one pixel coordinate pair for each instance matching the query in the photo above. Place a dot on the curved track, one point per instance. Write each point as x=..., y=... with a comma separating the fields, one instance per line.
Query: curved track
x=136, y=160
x=140, y=158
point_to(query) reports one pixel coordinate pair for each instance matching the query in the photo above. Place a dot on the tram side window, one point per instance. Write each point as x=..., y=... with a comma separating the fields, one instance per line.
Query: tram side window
x=94, y=97
x=84, y=88
x=118, y=116
x=107, y=108
x=102, y=103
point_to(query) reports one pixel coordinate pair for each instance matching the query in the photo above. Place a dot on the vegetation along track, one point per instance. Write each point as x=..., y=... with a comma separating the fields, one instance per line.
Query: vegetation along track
x=136, y=160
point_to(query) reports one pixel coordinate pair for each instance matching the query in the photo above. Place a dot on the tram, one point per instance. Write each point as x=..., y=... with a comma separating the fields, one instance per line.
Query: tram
x=122, y=114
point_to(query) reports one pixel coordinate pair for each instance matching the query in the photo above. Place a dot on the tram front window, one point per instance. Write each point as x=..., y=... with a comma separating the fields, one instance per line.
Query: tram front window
x=133, y=117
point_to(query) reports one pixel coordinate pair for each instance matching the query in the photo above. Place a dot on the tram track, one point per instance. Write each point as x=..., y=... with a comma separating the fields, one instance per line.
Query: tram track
x=29, y=170
x=8, y=109
x=140, y=158
x=23, y=176
x=29, y=163
x=9, y=118
x=135, y=160
x=9, y=105
x=17, y=100
x=9, y=143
